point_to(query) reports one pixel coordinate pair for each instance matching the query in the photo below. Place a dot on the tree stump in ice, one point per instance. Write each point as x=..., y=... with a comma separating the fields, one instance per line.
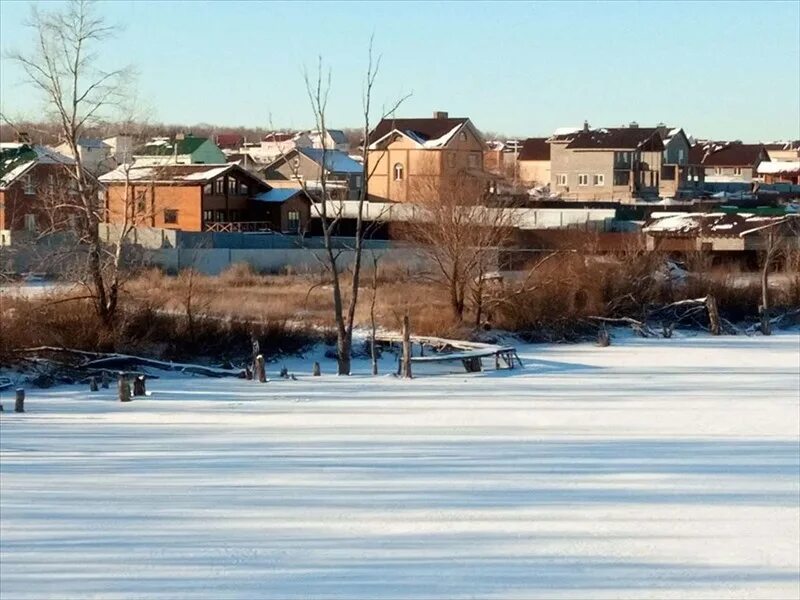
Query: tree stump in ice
x=104, y=380
x=19, y=403
x=603, y=338
x=713, y=315
x=92, y=384
x=260, y=369
x=139, y=386
x=315, y=370
x=123, y=388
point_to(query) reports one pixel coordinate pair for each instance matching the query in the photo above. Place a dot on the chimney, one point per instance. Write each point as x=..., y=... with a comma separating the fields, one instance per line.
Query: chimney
x=585, y=125
x=23, y=137
x=439, y=114
x=633, y=125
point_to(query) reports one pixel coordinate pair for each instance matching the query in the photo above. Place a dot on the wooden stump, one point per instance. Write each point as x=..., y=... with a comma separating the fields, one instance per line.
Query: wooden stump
x=92, y=384
x=248, y=373
x=123, y=388
x=603, y=338
x=139, y=386
x=666, y=330
x=104, y=380
x=713, y=315
x=315, y=370
x=764, y=324
x=406, y=370
x=19, y=404
x=260, y=372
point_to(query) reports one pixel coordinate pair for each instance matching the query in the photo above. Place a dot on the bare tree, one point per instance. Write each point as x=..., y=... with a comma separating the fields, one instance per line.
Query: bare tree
x=331, y=213
x=459, y=235
x=63, y=68
x=774, y=241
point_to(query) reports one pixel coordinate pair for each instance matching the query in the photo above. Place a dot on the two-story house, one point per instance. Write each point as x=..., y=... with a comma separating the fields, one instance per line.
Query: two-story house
x=35, y=184
x=619, y=163
x=343, y=175
x=185, y=149
x=408, y=157
x=220, y=198
x=332, y=139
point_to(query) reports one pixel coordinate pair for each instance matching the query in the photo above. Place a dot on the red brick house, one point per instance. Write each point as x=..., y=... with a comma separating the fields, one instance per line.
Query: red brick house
x=33, y=183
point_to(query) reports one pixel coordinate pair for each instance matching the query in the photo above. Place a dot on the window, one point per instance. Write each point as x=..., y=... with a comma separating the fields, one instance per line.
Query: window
x=170, y=216
x=463, y=136
x=242, y=188
x=293, y=220
x=398, y=172
x=451, y=159
x=599, y=179
x=219, y=186
x=680, y=155
x=357, y=181
x=208, y=215
x=561, y=179
x=583, y=179
x=219, y=215
x=717, y=171
x=208, y=189
x=30, y=222
x=473, y=161
x=737, y=170
x=28, y=183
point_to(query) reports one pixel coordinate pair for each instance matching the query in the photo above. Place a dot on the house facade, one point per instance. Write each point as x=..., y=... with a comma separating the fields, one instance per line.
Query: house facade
x=344, y=176
x=185, y=149
x=332, y=139
x=619, y=164
x=784, y=151
x=95, y=155
x=409, y=157
x=533, y=161
x=33, y=183
x=191, y=198
x=732, y=162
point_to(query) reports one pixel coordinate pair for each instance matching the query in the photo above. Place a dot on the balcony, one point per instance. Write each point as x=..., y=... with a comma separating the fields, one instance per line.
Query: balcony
x=238, y=226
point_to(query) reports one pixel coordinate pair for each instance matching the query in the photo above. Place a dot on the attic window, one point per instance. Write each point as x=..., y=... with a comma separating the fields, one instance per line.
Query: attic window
x=463, y=136
x=398, y=172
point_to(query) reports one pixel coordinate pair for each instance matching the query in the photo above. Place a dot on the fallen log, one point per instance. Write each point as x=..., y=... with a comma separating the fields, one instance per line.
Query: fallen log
x=124, y=361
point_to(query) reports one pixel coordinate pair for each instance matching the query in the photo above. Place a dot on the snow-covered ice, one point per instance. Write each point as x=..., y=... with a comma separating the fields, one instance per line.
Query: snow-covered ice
x=649, y=469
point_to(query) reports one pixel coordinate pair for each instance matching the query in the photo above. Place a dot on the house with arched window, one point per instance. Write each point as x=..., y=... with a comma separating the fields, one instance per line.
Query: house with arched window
x=403, y=152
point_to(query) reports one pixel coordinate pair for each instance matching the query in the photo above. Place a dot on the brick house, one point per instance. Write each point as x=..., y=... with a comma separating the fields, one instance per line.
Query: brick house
x=402, y=153
x=33, y=181
x=201, y=198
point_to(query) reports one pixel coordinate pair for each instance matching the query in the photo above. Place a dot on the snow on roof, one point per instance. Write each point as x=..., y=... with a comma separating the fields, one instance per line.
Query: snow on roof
x=566, y=130
x=336, y=161
x=189, y=173
x=278, y=195
x=710, y=224
x=92, y=143
x=17, y=158
x=778, y=166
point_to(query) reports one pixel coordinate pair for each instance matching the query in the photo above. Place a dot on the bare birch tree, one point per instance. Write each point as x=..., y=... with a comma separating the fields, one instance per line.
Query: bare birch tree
x=63, y=67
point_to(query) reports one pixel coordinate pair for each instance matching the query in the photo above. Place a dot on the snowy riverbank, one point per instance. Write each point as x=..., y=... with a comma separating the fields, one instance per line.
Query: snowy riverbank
x=653, y=468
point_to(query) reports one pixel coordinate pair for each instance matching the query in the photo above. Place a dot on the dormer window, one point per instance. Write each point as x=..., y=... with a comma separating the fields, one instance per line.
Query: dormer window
x=398, y=172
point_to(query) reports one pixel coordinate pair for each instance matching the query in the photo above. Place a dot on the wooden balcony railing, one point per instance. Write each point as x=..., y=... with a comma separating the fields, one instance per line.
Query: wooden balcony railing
x=237, y=226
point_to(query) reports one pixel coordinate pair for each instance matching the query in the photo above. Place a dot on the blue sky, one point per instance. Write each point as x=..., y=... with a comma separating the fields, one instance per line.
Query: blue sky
x=723, y=70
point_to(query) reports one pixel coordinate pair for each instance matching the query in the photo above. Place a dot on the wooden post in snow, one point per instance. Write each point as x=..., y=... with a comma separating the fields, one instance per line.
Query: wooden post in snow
x=104, y=380
x=92, y=384
x=19, y=403
x=713, y=315
x=406, y=371
x=139, y=386
x=123, y=389
x=315, y=370
x=260, y=370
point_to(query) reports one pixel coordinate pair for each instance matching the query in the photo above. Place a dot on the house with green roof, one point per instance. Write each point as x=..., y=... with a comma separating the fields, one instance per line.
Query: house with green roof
x=185, y=149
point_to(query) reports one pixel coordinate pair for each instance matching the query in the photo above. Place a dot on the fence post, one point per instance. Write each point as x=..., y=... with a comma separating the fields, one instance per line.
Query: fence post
x=406, y=347
x=19, y=404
